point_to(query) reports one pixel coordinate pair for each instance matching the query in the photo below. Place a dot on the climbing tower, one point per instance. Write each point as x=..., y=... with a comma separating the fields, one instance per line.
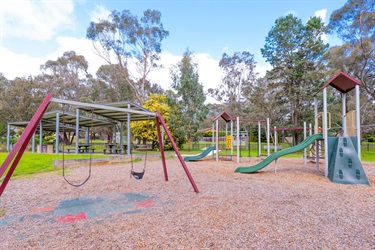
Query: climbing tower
x=342, y=155
x=344, y=165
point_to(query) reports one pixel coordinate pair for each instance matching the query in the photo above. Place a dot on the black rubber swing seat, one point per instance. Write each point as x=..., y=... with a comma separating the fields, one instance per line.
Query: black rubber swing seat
x=138, y=175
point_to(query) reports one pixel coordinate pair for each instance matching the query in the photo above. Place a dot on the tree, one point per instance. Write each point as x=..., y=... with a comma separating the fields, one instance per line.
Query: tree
x=295, y=52
x=65, y=78
x=354, y=23
x=146, y=130
x=131, y=42
x=19, y=99
x=191, y=98
x=239, y=77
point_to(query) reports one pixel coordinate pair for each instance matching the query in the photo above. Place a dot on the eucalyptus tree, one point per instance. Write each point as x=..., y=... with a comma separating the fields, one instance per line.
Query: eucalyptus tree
x=190, y=96
x=132, y=43
x=354, y=23
x=295, y=53
x=239, y=77
x=19, y=99
x=65, y=77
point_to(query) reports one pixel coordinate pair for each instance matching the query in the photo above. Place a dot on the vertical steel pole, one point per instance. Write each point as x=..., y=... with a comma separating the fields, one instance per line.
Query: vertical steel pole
x=213, y=139
x=304, y=137
x=77, y=130
x=231, y=137
x=343, y=98
x=217, y=140
x=33, y=143
x=129, y=133
x=8, y=138
x=358, y=120
x=325, y=132
x=238, y=140
x=259, y=140
x=275, y=138
x=268, y=136
x=57, y=132
x=40, y=137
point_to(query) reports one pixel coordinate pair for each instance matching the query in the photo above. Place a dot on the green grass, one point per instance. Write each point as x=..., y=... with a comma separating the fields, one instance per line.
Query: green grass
x=31, y=163
x=38, y=163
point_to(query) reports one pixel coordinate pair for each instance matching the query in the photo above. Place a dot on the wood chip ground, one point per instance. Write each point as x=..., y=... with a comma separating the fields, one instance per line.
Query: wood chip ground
x=295, y=208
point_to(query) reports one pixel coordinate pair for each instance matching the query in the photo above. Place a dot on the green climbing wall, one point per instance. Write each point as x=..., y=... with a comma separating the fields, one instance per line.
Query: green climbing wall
x=344, y=165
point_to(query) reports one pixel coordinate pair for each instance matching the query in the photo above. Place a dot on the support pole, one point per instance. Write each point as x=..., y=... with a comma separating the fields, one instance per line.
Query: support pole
x=343, y=115
x=40, y=137
x=213, y=140
x=160, y=120
x=259, y=140
x=358, y=120
x=33, y=143
x=8, y=138
x=325, y=132
x=57, y=132
x=17, y=151
x=304, y=137
x=268, y=136
x=157, y=122
x=121, y=135
x=87, y=139
x=77, y=130
x=238, y=140
x=231, y=136
x=129, y=141
x=217, y=140
x=275, y=138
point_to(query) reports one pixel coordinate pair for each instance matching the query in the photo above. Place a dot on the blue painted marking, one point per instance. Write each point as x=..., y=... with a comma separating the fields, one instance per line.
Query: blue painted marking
x=104, y=206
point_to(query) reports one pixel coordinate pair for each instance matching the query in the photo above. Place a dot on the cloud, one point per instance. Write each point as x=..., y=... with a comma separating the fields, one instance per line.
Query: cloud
x=99, y=13
x=322, y=14
x=208, y=69
x=293, y=12
x=19, y=65
x=262, y=68
x=36, y=20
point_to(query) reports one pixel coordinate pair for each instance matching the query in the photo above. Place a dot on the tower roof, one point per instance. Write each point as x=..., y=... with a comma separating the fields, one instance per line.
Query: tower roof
x=342, y=82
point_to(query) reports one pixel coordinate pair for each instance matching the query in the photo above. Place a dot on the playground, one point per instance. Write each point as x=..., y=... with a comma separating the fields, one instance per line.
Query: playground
x=295, y=208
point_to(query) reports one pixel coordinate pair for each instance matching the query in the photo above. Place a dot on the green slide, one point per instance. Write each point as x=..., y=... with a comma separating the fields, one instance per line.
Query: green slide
x=304, y=144
x=201, y=155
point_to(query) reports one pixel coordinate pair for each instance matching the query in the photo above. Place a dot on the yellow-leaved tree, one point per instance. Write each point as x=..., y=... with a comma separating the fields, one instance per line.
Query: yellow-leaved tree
x=145, y=131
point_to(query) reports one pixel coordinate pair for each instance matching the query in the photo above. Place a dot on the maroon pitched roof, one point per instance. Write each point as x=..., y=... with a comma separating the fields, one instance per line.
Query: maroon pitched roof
x=342, y=82
x=227, y=118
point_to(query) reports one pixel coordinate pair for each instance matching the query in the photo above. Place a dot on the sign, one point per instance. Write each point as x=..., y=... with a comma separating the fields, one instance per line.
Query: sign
x=228, y=144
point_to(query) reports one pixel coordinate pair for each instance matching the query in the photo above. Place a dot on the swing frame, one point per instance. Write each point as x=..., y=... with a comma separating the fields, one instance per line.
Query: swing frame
x=17, y=151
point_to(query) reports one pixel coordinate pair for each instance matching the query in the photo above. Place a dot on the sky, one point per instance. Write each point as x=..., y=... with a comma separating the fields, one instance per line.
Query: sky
x=35, y=31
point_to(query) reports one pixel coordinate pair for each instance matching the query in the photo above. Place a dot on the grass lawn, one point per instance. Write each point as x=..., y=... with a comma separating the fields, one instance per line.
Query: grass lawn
x=31, y=163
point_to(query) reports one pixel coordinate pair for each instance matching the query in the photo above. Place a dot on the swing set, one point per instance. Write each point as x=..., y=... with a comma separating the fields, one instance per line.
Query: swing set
x=14, y=156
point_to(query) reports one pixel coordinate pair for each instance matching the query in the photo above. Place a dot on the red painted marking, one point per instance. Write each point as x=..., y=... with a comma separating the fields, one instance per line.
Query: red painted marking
x=145, y=203
x=71, y=218
x=42, y=209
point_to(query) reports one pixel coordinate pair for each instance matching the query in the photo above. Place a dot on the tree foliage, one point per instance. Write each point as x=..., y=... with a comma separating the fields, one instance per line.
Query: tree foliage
x=295, y=52
x=238, y=81
x=146, y=130
x=19, y=99
x=354, y=23
x=126, y=40
x=191, y=98
x=66, y=77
